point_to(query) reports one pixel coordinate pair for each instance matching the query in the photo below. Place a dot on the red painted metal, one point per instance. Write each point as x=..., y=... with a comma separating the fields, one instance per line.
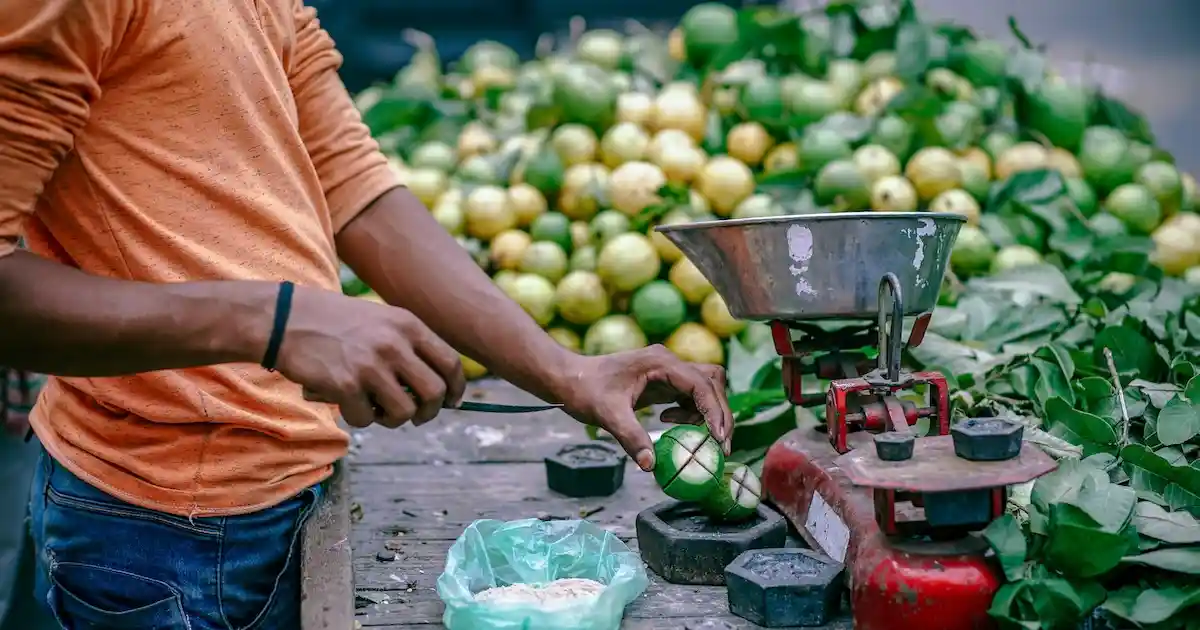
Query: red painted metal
x=895, y=584
x=925, y=579
x=874, y=416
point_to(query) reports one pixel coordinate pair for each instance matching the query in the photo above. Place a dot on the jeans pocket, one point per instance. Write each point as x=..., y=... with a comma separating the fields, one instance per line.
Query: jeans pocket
x=260, y=566
x=65, y=490
x=89, y=597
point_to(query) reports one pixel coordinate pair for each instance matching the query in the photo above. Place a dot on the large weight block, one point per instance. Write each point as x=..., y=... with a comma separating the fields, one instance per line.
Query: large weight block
x=785, y=587
x=683, y=546
x=593, y=469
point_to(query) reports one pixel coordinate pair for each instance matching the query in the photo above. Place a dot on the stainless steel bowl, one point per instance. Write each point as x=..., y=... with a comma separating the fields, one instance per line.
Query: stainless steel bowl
x=820, y=266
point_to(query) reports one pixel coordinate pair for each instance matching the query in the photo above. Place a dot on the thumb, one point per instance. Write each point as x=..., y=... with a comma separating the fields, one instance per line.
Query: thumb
x=631, y=435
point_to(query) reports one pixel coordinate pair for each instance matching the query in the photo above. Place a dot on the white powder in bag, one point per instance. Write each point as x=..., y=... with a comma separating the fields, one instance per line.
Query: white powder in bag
x=550, y=595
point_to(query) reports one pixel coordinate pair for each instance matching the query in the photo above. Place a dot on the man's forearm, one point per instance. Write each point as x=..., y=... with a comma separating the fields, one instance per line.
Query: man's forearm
x=401, y=252
x=59, y=320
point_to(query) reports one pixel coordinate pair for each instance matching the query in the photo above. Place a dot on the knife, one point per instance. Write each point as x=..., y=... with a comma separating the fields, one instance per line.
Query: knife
x=467, y=405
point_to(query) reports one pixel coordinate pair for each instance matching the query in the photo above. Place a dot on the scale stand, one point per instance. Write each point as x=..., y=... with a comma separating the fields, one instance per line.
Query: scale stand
x=905, y=526
x=852, y=380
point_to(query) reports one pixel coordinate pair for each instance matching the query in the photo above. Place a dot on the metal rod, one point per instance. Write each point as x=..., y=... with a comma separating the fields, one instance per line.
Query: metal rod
x=890, y=342
x=858, y=417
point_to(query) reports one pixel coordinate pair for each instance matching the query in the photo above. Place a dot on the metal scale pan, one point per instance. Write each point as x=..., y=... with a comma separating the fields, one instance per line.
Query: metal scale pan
x=820, y=266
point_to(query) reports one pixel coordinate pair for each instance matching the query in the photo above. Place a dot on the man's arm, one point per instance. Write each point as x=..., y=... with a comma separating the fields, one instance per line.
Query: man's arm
x=402, y=253
x=392, y=242
x=395, y=246
x=56, y=319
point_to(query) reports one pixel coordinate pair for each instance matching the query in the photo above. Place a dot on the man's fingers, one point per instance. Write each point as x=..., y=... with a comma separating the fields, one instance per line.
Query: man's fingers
x=357, y=411
x=705, y=397
x=716, y=374
x=632, y=436
x=426, y=385
x=395, y=406
x=444, y=360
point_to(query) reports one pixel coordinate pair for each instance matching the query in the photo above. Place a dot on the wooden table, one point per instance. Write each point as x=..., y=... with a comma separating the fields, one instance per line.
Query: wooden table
x=411, y=492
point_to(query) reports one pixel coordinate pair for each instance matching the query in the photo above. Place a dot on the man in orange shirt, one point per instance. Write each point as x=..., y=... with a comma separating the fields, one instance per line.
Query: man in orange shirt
x=187, y=176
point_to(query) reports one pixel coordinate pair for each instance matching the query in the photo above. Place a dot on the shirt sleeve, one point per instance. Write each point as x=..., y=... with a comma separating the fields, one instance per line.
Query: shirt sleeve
x=352, y=169
x=52, y=53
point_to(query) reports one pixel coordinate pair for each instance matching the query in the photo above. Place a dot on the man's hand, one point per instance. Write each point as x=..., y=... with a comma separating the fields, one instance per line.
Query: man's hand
x=362, y=355
x=606, y=390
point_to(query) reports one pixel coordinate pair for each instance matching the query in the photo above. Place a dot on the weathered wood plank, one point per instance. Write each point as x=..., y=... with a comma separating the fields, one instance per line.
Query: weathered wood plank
x=673, y=623
x=327, y=595
x=458, y=437
x=461, y=437
x=438, y=502
x=410, y=586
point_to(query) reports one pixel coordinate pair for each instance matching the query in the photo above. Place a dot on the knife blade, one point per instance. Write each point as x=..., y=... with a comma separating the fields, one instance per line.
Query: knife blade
x=466, y=405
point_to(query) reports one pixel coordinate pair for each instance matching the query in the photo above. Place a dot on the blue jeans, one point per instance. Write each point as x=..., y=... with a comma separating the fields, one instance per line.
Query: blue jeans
x=107, y=565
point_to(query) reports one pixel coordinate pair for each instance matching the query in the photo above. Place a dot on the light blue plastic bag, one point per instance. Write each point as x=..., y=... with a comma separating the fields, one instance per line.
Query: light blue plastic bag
x=494, y=553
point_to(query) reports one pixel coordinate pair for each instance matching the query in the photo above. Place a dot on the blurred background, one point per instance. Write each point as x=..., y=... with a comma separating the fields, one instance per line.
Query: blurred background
x=1145, y=52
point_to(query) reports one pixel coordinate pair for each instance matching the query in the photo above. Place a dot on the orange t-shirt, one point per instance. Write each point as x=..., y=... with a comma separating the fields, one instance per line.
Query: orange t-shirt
x=175, y=141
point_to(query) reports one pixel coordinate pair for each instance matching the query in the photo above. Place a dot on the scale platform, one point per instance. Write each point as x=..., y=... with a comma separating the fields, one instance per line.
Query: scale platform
x=934, y=467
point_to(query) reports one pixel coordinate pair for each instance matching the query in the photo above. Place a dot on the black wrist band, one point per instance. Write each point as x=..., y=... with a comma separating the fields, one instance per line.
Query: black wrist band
x=283, y=308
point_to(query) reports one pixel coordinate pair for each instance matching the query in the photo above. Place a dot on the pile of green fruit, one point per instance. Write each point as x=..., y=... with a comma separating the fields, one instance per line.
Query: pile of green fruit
x=553, y=172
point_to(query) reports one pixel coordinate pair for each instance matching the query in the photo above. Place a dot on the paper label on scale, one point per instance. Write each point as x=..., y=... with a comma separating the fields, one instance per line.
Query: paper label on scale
x=827, y=528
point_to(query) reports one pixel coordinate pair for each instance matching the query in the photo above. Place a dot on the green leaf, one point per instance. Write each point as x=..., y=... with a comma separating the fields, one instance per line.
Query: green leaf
x=744, y=364
x=1055, y=353
x=1005, y=601
x=1045, y=601
x=912, y=51
x=751, y=401
x=1078, y=547
x=1114, y=113
x=1192, y=390
x=1178, y=528
x=919, y=106
x=1093, y=388
x=1177, y=560
x=1026, y=69
x=1159, y=394
x=957, y=357
x=1178, y=482
x=1051, y=383
x=1061, y=485
x=1006, y=539
x=1089, y=430
x=1178, y=422
x=1044, y=280
x=1108, y=504
x=1149, y=606
x=762, y=429
x=1132, y=353
x=1031, y=188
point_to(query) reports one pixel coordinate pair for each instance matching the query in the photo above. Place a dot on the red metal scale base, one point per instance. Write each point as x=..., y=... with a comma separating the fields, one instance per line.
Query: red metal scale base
x=903, y=574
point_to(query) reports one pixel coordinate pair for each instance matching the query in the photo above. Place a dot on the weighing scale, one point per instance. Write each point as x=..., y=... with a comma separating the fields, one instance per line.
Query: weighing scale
x=832, y=286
